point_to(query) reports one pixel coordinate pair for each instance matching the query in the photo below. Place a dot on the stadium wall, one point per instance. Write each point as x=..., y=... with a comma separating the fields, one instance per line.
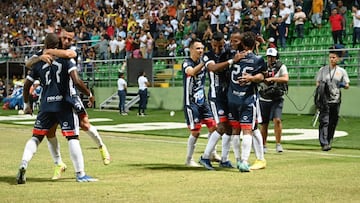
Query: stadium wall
x=298, y=101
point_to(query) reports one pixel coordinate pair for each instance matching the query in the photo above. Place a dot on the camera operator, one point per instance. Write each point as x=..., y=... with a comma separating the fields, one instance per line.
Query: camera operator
x=271, y=92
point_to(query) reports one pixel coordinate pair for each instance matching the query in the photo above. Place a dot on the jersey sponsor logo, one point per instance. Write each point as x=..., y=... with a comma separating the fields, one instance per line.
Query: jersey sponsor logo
x=54, y=98
x=237, y=93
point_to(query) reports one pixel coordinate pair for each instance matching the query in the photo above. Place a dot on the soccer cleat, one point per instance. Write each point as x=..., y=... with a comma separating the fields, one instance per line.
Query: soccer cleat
x=21, y=178
x=59, y=169
x=85, y=178
x=226, y=164
x=244, y=167
x=206, y=163
x=258, y=164
x=215, y=157
x=279, y=148
x=105, y=155
x=192, y=163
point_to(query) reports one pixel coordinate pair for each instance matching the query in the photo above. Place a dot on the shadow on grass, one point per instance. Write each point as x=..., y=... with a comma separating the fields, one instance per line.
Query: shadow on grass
x=178, y=167
x=11, y=180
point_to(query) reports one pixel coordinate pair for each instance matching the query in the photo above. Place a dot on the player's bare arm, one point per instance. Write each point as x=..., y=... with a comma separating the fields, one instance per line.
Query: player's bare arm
x=194, y=70
x=26, y=94
x=282, y=79
x=82, y=87
x=35, y=59
x=246, y=78
x=68, y=53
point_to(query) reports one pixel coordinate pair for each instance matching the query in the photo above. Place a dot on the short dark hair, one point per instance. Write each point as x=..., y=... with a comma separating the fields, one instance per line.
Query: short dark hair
x=333, y=50
x=51, y=41
x=249, y=39
x=218, y=36
x=69, y=29
x=193, y=41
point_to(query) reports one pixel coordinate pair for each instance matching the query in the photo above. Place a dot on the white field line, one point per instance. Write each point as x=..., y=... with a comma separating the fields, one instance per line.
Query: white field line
x=203, y=144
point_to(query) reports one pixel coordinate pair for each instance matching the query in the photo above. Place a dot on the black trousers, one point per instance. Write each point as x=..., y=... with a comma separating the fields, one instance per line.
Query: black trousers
x=328, y=118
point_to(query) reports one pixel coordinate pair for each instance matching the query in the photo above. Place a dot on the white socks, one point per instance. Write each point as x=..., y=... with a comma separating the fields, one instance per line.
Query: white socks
x=258, y=144
x=246, y=148
x=191, y=147
x=94, y=134
x=29, y=150
x=212, y=141
x=236, y=147
x=54, y=148
x=226, y=140
x=77, y=157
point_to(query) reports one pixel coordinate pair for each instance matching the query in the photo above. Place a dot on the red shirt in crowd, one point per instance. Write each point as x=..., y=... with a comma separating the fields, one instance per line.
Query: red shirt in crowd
x=336, y=22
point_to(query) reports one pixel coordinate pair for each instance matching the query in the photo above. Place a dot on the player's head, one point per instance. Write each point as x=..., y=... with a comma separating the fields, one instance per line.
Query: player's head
x=121, y=74
x=235, y=40
x=217, y=42
x=196, y=49
x=248, y=40
x=67, y=37
x=51, y=41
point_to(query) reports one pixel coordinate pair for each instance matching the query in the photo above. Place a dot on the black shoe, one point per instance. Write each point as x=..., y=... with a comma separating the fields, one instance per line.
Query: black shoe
x=326, y=148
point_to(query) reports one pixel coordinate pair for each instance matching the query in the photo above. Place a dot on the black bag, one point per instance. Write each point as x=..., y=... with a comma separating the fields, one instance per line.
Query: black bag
x=322, y=95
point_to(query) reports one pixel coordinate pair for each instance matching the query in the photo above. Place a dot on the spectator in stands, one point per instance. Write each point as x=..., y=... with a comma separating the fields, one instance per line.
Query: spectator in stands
x=122, y=44
x=114, y=49
x=272, y=28
x=335, y=78
x=342, y=11
x=282, y=32
x=103, y=47
x=161, y=43
x=143, y=41
x=129, y=45
x=356, y=25
x=299, y=19
x=149, y=46
x=336, y=22
x=317, y=12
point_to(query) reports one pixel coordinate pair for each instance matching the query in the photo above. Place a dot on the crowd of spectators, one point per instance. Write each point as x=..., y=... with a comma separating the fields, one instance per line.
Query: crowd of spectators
x=116, y=29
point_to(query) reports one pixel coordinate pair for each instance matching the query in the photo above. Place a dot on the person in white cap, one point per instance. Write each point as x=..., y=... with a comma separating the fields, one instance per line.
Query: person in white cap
x=272, y=90
x=299, y=19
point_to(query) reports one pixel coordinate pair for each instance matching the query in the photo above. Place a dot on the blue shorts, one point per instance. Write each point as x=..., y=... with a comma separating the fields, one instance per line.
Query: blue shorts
x=77, y=105
x=196, y=115
x=271, y=109
x=219, y=108
x=242, y=114
x=68, y=119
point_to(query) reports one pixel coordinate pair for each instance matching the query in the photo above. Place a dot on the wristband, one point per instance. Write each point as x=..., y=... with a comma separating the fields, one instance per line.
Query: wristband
x=230, y=61
x=90, y=95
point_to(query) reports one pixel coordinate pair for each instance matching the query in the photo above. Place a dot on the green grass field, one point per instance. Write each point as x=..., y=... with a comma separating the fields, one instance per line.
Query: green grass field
x=148, y=166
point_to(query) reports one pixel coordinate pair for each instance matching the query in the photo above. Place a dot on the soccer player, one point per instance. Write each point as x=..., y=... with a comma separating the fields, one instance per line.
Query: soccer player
x=67, y=51
x=56, y=79
x=216, y=61
x=242, y=95
x=260, y=162
x=196, y=107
